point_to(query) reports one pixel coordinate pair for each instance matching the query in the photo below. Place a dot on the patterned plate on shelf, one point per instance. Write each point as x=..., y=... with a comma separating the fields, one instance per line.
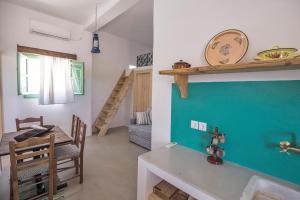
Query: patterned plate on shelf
x=227, y=47
x=277, y=53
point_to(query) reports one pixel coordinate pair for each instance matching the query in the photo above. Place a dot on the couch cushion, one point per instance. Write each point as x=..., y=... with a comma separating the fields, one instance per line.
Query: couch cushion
x=141, y=130
x=142, y=118
x=146, y=143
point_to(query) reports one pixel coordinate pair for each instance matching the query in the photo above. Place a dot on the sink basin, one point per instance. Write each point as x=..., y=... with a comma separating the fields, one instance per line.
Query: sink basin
x=262, y=189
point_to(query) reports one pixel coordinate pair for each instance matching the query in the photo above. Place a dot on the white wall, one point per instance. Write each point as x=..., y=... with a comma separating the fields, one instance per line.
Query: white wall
x=14, y=29
x=183, y=28
x=116, y=55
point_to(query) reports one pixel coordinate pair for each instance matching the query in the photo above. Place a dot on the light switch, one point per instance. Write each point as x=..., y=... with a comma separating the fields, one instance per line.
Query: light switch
x=194, y=124
x=202, y=126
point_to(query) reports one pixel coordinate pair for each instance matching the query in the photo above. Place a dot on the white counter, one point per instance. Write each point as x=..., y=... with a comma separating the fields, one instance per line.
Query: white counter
x=189, y=171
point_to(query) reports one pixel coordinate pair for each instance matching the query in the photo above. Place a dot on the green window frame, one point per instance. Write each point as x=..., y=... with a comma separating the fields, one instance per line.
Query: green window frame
x=77, y=75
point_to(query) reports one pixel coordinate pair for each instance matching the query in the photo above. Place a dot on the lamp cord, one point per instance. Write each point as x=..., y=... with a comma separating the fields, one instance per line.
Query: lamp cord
x=96, y=24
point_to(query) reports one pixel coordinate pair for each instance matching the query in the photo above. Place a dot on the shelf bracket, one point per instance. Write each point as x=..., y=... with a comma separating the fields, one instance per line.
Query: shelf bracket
x=182, y=84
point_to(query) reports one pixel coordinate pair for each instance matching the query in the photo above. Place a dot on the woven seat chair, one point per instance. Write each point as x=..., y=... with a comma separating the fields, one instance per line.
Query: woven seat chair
x=72, y=153
x=75, y=121
x=37, y=168
x=28, y=120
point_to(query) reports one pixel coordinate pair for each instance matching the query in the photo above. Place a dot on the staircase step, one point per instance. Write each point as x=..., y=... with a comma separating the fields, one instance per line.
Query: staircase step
x=99, y=127
x=116, y=92
x=117, y=89
x=108, y=105
x=100, y=121
x=121, y=82
x=113, y=98
x=106, y=112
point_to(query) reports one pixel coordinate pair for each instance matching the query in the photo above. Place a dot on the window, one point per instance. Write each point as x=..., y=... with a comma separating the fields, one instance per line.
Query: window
x=29, y=75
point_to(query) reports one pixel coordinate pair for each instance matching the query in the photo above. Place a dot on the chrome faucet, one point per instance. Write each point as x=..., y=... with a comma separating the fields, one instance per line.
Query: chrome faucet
x=286, y=146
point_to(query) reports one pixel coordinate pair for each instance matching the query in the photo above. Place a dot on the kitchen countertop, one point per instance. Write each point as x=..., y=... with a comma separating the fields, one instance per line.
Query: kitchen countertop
x=223, y=182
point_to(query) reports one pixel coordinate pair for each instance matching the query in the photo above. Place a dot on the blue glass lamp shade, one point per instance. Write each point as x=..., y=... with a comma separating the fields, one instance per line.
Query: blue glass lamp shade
x=95, y=48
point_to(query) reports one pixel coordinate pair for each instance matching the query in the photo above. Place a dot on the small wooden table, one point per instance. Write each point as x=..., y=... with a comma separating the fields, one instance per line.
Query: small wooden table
x=61, y=138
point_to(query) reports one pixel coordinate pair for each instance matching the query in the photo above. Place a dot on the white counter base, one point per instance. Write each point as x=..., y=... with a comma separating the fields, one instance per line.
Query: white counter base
x=189, y=171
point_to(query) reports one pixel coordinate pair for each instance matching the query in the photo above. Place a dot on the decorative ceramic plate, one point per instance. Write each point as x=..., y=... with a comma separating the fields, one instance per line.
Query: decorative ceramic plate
x=277, y=53
x=227, y=47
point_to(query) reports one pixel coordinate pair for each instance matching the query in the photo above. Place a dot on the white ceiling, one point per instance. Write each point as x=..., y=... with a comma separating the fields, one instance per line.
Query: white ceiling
x=131, y=19
x=135, y=24
x=78, y=11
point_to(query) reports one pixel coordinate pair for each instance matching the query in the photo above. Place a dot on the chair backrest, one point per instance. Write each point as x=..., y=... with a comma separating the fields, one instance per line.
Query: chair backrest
x=80, y=136
x=28, y=120
x=75, y=121
x=40, y=157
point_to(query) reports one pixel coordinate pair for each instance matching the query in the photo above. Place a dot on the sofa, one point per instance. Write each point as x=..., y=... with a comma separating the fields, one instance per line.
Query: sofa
x=140, y=134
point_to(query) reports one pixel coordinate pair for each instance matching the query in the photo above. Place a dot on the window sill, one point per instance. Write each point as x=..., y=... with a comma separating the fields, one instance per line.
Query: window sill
x=36, y=96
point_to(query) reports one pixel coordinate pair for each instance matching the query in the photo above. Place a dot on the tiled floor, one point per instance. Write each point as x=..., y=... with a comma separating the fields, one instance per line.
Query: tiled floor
x=110, y=171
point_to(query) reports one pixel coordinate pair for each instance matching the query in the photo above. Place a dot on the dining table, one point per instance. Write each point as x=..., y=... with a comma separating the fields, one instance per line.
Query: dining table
x=61, y=138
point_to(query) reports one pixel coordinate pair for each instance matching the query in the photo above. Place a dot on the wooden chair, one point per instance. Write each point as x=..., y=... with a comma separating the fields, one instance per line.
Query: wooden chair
x=28, y=120
x=75, y=121
x=72, y=153
x=32, y=172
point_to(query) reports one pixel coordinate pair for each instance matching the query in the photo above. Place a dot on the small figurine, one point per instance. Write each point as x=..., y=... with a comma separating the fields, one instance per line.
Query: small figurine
x=214, y=150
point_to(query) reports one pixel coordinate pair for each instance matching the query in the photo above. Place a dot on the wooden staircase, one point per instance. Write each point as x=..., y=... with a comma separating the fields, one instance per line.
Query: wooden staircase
x=112, y=104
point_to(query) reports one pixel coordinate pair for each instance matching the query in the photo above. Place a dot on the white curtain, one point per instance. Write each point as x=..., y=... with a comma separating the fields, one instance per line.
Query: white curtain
x=56, y=82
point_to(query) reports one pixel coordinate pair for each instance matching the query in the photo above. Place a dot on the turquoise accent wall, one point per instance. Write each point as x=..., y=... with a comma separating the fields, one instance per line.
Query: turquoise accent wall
x=255, y=116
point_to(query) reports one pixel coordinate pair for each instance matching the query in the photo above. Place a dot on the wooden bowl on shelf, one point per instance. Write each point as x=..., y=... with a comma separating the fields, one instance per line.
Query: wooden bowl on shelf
x=181, y=65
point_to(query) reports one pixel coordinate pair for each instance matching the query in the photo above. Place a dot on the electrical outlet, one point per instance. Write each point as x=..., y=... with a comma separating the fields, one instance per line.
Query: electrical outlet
x=194, y=124
x=202, y=126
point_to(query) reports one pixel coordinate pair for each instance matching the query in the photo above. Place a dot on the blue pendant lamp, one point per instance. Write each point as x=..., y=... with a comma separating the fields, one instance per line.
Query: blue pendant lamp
x=96, y=48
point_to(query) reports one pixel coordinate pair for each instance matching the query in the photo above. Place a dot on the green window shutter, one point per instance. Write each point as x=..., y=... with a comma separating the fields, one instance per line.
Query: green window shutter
x=77, y=77
x=25, y=80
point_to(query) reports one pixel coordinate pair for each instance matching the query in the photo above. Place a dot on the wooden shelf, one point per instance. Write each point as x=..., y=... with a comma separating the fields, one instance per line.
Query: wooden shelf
x=181, y=75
